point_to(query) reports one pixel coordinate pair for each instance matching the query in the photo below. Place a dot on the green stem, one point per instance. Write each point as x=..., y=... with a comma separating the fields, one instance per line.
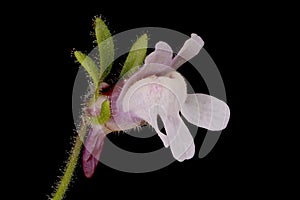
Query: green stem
x=71, y=165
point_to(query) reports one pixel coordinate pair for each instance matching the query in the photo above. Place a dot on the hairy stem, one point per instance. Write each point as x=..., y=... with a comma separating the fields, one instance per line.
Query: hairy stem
x=71, y=165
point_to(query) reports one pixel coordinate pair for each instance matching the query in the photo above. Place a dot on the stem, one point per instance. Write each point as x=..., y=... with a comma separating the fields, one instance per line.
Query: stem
x=71, y=165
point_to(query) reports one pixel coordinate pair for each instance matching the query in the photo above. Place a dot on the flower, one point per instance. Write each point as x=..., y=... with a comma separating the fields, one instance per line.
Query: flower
x=156, y=89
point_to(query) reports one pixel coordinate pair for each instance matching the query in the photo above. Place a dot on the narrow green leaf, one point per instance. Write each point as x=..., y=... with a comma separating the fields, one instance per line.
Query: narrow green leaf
x=136, y=55
x=89, y=65
x=105, y=112
x=105, y=46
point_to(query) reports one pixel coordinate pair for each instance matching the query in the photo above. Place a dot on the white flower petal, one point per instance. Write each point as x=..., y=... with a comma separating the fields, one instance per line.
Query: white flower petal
x=154, y=96
x=162, y=55
x=156, y=90
x=180, y=139
x=145, y=71
x=206, y=111
x=153, y=122
x=190, y=49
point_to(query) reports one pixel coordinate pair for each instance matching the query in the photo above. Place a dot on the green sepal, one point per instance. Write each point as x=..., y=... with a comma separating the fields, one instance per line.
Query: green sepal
x=105, y=113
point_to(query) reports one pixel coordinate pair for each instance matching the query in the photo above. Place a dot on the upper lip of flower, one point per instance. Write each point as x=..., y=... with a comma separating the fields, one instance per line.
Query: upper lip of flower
x=164, y=62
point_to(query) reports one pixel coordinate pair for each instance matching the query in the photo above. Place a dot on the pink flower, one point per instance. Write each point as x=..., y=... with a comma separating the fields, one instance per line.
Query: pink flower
x=156, y=89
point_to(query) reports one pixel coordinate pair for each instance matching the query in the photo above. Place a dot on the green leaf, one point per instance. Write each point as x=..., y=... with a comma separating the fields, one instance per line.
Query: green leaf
x=136, y=55
x=105, y=46
x=89, y=65
x=105, y=112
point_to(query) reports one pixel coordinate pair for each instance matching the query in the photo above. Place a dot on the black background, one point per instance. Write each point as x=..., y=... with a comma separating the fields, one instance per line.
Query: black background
x=52, y=31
